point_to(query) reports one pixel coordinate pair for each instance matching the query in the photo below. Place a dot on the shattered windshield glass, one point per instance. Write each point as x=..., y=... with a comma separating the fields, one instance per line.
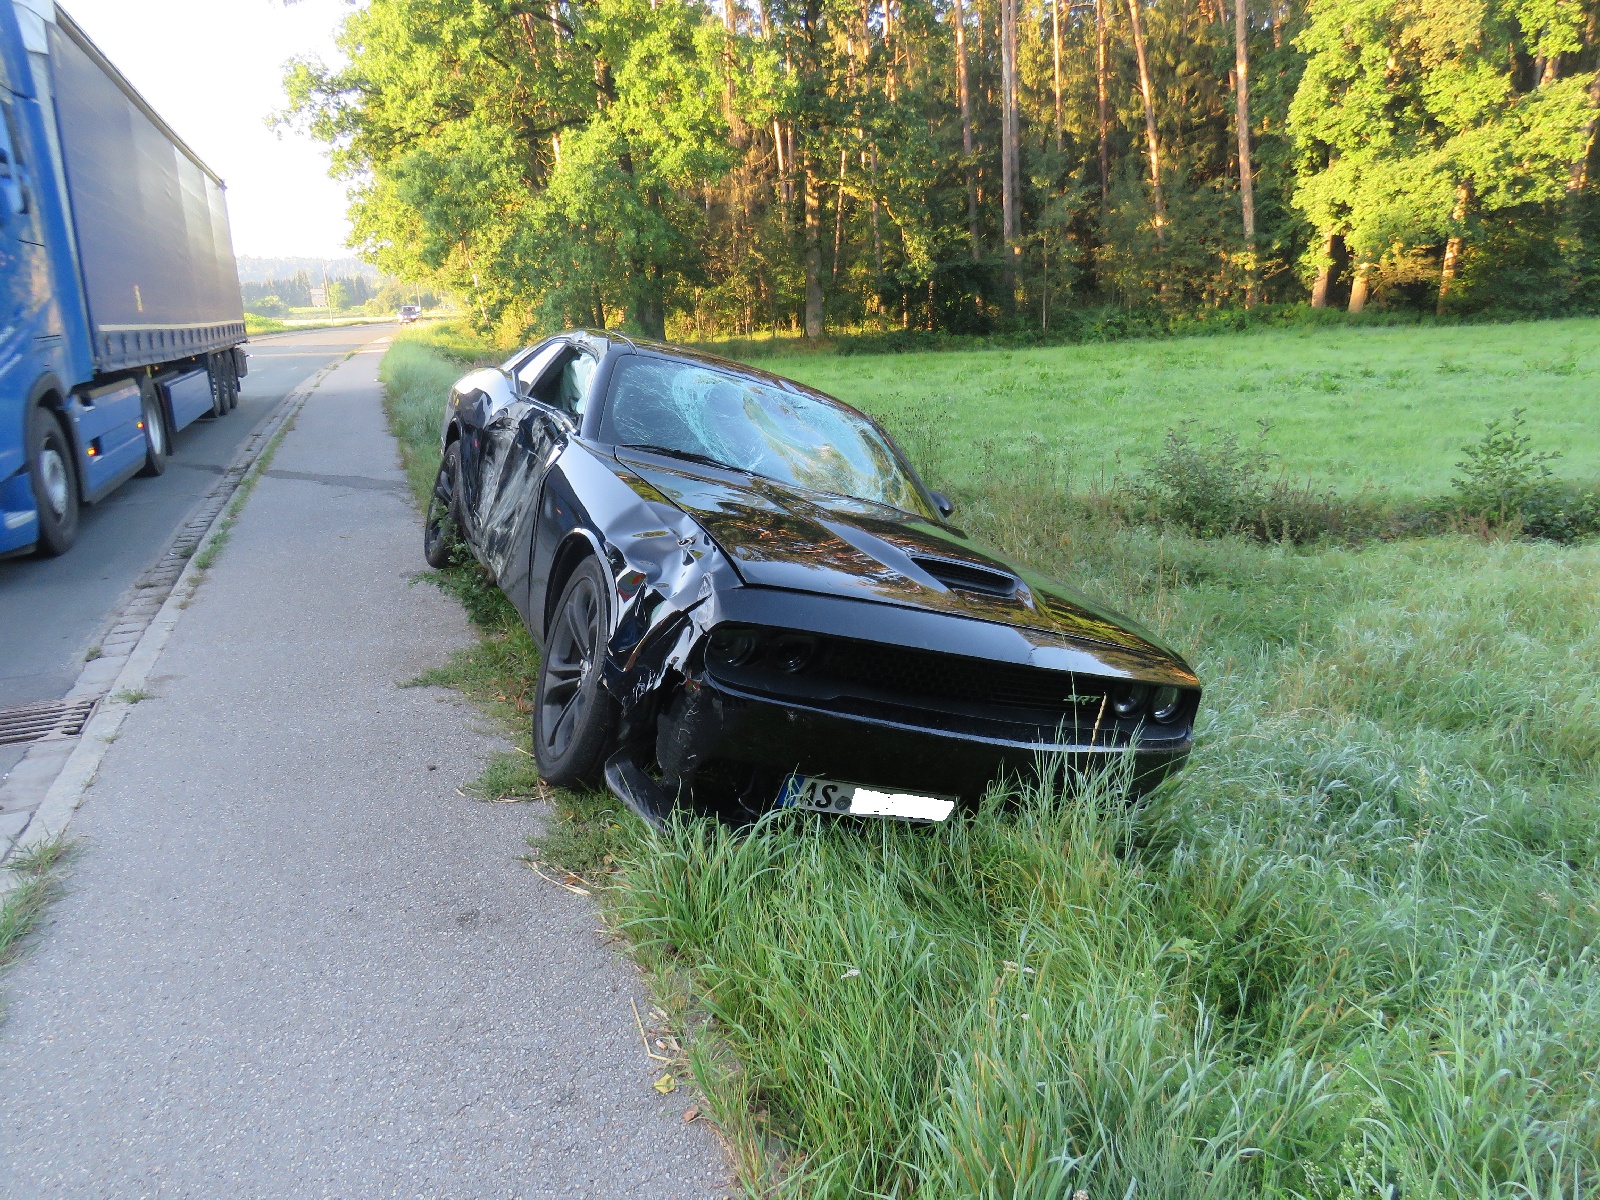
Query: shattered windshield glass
x=698, y=412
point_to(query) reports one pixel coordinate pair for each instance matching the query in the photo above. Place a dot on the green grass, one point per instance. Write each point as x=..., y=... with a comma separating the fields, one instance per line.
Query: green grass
x=1350, y=953
x=254, y=323
x=1348, y=407
x=37, y=882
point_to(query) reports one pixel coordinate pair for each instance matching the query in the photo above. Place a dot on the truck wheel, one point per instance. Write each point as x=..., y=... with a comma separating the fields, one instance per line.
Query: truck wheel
x=55, y=481
x=232, y=376
x=573, y=714
x=219, y=386
x=157, y=448
x=441, y=532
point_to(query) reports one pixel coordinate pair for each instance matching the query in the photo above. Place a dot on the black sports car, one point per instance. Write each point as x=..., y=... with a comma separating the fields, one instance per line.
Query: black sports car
x=745, y=597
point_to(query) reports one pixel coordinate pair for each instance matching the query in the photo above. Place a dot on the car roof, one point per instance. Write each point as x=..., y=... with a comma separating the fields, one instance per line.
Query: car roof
x=657, y=349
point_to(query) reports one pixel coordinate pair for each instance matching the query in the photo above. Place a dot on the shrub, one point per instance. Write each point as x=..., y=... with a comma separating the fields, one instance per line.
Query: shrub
x=1501, y=472
x=1213, y=486
x=1505, y=483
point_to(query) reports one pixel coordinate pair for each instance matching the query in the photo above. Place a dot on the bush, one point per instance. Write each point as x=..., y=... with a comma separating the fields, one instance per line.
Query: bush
x=1213, y=486
x=1505, y=483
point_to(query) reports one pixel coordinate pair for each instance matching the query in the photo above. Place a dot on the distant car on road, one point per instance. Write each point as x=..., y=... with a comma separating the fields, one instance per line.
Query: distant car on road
x=409, y=313
x=746, y=598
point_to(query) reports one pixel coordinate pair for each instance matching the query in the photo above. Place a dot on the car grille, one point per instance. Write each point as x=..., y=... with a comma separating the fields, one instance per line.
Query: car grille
x=950, y=691
x=913, y=676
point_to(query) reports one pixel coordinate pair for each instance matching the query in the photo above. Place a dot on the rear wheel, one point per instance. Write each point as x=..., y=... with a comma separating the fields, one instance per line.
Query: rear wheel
x=157, y=448
x=219, y=386
x=55, y=480
x=441, y=532
x=572, y=713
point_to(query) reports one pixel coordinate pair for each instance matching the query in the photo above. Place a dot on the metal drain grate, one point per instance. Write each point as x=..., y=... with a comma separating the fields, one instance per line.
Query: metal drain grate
x=41, y=722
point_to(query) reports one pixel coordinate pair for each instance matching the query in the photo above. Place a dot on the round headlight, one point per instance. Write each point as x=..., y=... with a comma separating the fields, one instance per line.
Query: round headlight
x=1127, y=700
x=792, y=653
x=731, y=646
x=1166, y=703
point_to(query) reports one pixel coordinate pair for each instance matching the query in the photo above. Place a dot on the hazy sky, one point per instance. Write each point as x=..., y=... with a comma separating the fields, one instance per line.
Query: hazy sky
x=214, y=69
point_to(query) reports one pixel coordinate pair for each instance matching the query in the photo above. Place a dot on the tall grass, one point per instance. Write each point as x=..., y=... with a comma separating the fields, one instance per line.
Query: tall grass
x=1350, y=953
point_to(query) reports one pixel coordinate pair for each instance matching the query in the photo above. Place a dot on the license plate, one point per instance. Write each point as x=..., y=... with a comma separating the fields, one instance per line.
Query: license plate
x=831, y=796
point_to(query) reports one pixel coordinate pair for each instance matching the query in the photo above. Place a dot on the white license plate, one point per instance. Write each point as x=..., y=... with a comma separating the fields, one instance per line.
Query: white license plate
x=831, y=796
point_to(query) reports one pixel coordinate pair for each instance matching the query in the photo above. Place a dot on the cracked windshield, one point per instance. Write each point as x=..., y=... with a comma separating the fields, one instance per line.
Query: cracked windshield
x=691, y=410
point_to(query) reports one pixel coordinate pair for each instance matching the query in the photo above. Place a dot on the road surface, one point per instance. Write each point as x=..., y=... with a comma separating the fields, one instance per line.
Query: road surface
x=51, y=610
x=293, y=958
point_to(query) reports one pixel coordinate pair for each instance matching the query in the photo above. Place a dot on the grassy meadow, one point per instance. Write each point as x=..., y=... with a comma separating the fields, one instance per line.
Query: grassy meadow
x=1350, y=953
x=1386, y=407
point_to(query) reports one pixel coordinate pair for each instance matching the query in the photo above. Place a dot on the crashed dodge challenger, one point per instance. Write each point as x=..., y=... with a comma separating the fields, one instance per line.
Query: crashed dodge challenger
x=745, y=597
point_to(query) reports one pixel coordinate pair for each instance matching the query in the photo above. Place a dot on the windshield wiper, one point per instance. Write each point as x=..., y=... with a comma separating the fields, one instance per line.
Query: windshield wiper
x=689, y=455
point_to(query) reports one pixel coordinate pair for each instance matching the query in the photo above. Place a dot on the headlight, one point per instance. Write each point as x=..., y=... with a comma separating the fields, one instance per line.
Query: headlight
x=732, y=646
x=792, y=653
x=1166, y=704
x=1127, y=700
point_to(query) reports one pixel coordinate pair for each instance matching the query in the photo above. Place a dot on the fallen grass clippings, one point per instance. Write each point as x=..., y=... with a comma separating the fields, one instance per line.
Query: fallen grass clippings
x=1352, y=953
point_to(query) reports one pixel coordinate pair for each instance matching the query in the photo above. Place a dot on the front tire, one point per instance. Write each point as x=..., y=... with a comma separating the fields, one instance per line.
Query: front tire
x=54, y=475
x=573, y=715
x=441, y=530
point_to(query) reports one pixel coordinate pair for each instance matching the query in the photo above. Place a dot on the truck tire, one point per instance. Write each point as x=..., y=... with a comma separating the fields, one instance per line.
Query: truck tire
x=157, y=438
x=219, y=386
x=54, y=472
x=231, y=370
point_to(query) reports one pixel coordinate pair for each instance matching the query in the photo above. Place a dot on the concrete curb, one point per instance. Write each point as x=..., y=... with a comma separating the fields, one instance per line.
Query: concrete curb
x=66, y=792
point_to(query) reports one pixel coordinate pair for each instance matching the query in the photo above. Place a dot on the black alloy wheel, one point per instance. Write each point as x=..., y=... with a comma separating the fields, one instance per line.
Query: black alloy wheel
x=573, y=714
x=55, y=480
x=441, y=532
x=157, y=449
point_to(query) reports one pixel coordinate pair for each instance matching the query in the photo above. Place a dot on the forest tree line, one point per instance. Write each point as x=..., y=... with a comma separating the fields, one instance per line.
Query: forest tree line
x=271, y=296
x=729, y=166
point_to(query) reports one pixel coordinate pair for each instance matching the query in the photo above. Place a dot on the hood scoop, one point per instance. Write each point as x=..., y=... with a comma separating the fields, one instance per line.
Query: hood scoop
x=969, y=577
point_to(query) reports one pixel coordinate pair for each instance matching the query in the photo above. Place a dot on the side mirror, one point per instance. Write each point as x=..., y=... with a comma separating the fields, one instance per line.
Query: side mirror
x=943, y=503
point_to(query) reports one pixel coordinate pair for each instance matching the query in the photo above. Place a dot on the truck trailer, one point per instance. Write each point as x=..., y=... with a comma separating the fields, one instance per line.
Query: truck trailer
x=120, y=315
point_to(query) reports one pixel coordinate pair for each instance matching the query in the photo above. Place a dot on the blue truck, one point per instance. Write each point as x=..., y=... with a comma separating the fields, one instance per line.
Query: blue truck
x=120, y=315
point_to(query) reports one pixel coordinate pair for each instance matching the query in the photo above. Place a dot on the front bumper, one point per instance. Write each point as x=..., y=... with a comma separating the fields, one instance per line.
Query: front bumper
x=722, y=747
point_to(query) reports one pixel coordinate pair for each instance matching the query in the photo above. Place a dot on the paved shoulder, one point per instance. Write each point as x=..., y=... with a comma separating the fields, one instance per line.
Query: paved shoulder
x=293, y=960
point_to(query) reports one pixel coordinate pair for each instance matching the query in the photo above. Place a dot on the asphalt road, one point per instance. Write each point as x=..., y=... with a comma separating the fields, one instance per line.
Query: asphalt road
x=293, y=959
x=51, y=609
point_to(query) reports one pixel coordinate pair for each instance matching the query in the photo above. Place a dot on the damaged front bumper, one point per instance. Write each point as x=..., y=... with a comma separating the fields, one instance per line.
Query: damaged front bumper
x=724, y=737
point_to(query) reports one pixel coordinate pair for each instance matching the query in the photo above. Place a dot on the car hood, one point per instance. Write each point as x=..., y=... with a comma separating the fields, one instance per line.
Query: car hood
x=782, y=537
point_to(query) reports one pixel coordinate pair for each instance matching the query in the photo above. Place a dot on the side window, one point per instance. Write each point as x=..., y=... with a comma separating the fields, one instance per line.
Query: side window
x=564, y=383
x=529, y=372
x=576, y=376
x=13, y=180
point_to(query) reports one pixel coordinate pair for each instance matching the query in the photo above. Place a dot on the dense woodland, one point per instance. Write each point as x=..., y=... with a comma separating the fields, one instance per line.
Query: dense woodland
x=966, y=165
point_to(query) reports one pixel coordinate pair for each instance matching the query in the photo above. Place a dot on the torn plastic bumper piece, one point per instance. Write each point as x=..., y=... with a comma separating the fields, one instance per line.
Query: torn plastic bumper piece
x=645, y=798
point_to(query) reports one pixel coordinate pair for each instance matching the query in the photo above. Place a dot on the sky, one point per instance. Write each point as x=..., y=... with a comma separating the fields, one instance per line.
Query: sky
x=214, y=70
